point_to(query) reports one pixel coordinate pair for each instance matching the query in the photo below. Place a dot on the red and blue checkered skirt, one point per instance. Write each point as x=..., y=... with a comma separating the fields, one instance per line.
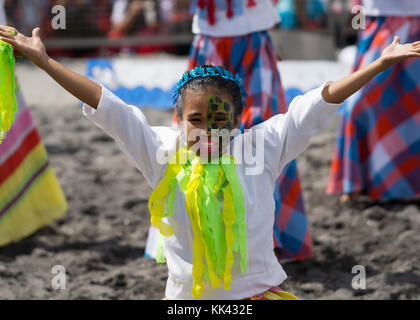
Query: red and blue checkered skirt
x=252, y=57
x=377, y=150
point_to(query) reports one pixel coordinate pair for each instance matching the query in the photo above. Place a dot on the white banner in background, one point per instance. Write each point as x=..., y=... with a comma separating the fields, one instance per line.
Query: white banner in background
x=150, y=82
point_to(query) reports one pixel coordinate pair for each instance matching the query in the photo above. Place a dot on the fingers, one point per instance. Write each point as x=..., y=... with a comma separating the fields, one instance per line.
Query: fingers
x=413, y=54
x=6, y=35
x=8, y=29
x=396, y=39
x=415, y=48
x=10, y=41
x=35, y=32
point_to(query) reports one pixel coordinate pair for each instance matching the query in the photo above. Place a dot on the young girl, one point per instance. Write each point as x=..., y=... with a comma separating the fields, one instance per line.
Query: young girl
x=218, y=217
x=234, y=35
x=377, y=150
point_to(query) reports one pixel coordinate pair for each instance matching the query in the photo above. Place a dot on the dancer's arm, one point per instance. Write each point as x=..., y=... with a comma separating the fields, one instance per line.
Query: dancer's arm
x=144, y=145
x=340, y=90
x=32, y=47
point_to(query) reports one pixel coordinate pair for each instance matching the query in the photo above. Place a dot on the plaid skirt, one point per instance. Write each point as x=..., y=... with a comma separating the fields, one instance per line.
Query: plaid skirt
x=30, y=195
x=377, y=149
x=252, y=57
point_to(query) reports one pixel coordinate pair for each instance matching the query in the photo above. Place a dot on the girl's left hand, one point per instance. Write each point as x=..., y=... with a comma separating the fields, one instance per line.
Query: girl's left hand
x=397, y=52
x=31, y=47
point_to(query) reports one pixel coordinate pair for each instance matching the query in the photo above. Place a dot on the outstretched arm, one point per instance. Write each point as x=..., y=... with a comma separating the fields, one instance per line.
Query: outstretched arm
x=32, y=47
x=340, y=90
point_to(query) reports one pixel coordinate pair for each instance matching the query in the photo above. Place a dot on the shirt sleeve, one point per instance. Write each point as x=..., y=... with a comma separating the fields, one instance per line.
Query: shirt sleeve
x=287, y=135
x=144, y=145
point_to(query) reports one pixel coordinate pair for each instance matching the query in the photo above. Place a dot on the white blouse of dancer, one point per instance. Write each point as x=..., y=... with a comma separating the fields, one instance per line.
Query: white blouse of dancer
x=261, y=17
x=392, y=7
x=285, y=137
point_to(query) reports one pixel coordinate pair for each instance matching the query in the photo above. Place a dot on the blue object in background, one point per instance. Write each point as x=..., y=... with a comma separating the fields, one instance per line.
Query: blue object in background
x=287, y=12
x=139, y=96
x=157, y=96
x=315, y=9
x=291, y=93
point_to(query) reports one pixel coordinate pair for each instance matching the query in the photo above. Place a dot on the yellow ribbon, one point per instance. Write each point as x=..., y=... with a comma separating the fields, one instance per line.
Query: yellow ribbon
x=157, y=200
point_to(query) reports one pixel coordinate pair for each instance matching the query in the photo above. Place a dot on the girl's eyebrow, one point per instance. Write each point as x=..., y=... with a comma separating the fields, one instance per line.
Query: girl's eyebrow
x=194, y=114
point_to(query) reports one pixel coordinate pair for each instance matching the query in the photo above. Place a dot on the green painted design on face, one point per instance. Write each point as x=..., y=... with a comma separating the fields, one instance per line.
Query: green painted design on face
x=219, y=114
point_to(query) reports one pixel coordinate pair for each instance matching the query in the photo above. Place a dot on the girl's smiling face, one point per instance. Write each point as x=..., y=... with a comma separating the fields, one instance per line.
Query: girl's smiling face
x=207, y=111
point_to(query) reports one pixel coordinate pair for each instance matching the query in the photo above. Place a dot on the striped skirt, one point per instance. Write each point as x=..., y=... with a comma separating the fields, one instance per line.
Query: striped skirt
x=377, y=150
x=274, y=293
x=252, y=57
x=30, y=195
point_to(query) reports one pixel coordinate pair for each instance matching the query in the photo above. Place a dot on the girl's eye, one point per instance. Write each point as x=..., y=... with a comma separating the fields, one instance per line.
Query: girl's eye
x=220, y=119
x=195, y=120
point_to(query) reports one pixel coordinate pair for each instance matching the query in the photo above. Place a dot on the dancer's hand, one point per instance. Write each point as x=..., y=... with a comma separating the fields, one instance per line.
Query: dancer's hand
x=31, y=47
x=397, y=52
x=340, y=90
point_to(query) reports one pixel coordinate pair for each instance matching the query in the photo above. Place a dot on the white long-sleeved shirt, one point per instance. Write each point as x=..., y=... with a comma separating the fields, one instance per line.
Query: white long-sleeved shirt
x=261, y=17
x=285, y=137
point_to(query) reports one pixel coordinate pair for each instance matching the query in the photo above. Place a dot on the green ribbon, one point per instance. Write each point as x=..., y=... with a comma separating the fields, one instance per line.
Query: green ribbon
x=8, y=105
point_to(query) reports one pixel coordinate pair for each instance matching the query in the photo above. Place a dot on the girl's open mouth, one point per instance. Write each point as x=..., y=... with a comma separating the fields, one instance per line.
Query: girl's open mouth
x=209, y=145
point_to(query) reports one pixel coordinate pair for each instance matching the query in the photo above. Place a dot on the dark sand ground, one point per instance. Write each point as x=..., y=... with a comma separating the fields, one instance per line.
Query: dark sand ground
x=101, y=239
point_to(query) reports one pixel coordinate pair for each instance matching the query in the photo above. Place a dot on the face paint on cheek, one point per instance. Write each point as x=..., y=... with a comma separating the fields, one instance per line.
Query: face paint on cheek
x=218, y=109
x=220, y=117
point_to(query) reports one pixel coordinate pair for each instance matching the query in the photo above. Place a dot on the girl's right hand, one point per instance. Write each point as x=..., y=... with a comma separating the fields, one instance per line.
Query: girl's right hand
x=31, y=47
x=82, y=88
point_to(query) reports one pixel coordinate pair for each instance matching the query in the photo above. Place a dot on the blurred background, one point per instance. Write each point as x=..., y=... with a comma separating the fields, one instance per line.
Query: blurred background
x=111, y=27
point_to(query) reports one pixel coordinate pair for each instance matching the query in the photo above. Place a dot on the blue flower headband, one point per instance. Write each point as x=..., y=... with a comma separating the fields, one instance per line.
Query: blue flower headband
x=201, y=72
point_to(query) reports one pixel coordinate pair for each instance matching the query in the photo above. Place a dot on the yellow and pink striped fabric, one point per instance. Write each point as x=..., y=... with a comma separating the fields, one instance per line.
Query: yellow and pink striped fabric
x=274, y=293
x=30, y=195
